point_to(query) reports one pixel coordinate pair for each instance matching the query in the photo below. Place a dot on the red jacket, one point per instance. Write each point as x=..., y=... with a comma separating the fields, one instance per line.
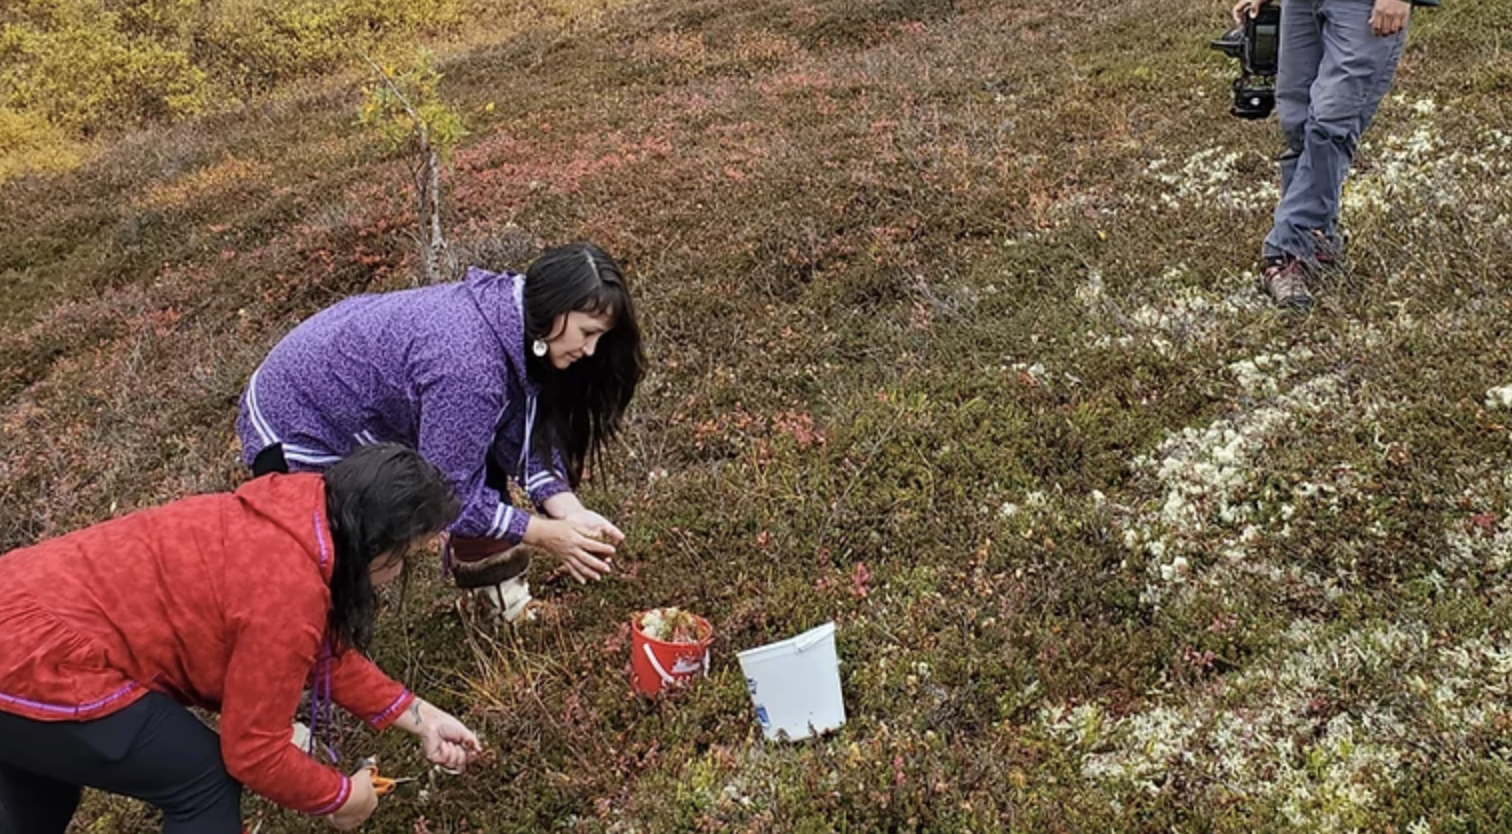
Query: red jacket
x=219, y=601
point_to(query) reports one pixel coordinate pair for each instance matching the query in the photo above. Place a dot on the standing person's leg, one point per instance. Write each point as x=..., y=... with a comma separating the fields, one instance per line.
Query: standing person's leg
x=1384, y=80
x=1357, y=67
x=153, y=750
x=32, y=804
x=1301, y=51
x=1301, y=54
x=1372, y=103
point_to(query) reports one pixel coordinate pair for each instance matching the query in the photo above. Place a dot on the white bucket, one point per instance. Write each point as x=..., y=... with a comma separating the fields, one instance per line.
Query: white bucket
x=795, y=684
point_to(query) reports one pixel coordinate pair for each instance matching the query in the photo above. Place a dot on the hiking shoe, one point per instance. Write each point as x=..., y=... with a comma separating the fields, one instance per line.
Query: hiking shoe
x=1285, y=281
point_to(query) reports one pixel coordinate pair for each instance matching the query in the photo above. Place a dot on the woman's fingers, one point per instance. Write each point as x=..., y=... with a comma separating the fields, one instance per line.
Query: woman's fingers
x=466, y=738
x=584, y=566
x=448, y=755
x=453, y=731
x=571, y=565
x=591, y=545
x=592, y=564
x=583, y=554
x=603, y=527
x=580, y=572
x=460, y=751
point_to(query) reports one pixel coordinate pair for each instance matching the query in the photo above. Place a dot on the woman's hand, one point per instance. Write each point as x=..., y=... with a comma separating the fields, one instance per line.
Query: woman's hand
x=360, y=804
x=447, y=742
x=596, y=524
x=579, y=547
x=444, y=739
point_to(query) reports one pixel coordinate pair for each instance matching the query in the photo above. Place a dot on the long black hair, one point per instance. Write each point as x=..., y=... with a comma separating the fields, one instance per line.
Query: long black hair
x=380, y=499
x=581, y=407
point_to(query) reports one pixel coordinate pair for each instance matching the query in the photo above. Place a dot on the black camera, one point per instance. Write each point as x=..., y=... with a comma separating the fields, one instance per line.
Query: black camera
x=1256, y=46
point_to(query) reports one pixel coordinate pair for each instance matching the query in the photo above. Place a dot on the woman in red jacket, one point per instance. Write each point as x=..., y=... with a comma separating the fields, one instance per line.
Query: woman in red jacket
x=234, y=603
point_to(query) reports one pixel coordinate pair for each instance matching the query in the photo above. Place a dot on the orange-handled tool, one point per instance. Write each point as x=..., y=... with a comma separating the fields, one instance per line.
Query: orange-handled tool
x=382, y=785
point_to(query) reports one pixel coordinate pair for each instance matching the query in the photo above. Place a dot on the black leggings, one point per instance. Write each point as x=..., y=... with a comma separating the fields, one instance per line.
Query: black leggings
x=270, y=460
x=153, y=750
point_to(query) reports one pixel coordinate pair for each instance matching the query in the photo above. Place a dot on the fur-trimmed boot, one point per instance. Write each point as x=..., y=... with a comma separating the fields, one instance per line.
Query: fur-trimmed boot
x=495, y=572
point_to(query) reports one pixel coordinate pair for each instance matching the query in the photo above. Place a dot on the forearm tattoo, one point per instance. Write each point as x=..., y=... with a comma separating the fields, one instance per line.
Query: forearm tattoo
x=414, y=712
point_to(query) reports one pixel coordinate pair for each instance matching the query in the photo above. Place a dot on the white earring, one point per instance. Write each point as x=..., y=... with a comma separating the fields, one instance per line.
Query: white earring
x=538, y=347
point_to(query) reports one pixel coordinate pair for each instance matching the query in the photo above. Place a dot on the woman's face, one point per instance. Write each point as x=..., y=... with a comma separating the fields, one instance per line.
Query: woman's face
x=575, y=335
x=388, y=566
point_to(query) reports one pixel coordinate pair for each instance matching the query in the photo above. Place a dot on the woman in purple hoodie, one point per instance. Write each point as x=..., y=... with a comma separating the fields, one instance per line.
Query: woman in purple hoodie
x=496, y=378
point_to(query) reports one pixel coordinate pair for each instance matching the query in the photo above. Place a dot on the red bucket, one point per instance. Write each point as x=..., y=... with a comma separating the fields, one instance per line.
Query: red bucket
x=657, y=664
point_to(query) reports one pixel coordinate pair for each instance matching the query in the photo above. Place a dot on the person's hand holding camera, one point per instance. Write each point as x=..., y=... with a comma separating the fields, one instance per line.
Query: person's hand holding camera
x=1247, y=8
x=1389, y=16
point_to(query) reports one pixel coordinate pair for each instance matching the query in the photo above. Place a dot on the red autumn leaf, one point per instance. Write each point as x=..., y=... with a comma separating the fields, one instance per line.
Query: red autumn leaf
x=859, y=580
x=1485, y=522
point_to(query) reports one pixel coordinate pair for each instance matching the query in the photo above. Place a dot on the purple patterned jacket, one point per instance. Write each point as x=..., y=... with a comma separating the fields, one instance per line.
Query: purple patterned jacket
x=440, y=369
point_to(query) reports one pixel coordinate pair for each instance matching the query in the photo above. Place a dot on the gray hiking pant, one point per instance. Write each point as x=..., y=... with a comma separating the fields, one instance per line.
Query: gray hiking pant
x=1333, y=74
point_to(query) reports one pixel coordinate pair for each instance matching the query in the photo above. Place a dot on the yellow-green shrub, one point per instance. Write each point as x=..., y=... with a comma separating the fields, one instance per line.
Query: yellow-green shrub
x=70, y=61
x=172, y=23
x=31, y=144
x=92, y=64
x=253, y=45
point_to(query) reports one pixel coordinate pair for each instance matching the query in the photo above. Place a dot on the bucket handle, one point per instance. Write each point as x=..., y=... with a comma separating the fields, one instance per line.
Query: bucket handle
x=656, y=664
x=668, y=680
